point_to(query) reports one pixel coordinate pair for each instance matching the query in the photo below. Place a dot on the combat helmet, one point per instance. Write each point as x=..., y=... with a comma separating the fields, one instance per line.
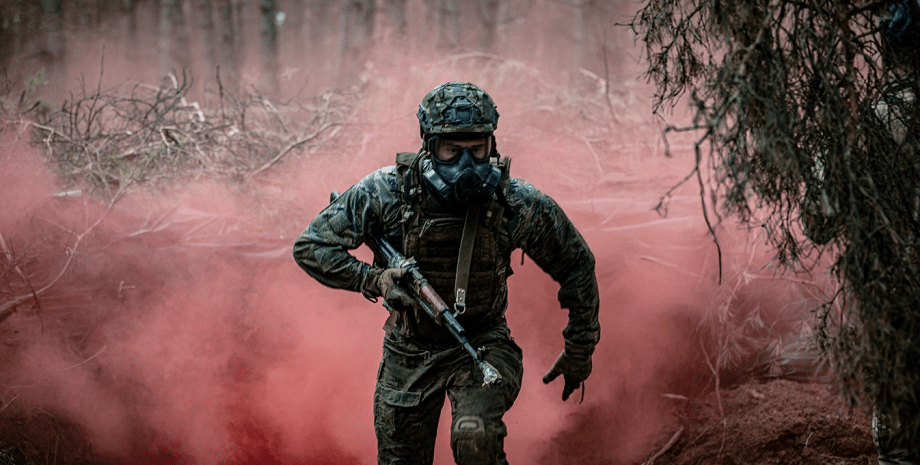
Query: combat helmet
x=900, y=29
x=457, y=108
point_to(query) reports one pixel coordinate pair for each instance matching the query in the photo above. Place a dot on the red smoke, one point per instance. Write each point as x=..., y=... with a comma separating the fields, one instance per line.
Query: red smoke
x=183, y=331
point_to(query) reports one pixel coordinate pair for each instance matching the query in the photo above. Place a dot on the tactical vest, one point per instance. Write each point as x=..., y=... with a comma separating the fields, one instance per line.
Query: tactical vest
x=434, y=241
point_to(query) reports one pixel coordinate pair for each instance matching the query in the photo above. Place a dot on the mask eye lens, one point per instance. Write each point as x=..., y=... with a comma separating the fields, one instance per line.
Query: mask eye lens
x=449, y=152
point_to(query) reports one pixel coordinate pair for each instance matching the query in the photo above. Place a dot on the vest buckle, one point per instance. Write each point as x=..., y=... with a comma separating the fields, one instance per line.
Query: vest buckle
x=460, y=302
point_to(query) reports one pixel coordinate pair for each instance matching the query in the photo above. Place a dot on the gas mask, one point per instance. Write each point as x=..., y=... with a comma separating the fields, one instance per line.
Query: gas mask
x=463, y=179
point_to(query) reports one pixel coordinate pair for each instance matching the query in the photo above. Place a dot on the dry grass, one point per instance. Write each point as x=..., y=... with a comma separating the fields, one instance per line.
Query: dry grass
x=800, y=116
x=107, y=140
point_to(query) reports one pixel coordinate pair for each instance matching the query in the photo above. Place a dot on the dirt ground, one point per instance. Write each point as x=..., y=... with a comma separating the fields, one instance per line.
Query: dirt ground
x=775, y=422
x=771, y=422
x=765, y=423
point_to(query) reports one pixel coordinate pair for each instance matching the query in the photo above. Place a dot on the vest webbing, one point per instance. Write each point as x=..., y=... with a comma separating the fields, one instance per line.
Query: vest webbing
x=434, y=241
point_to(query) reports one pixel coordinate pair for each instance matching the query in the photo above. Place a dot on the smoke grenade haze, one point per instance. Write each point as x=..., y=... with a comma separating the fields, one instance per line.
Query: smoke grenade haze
x=184, y=333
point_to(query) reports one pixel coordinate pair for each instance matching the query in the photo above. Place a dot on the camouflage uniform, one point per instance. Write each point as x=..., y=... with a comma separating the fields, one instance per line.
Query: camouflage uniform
x=420, y=361
x=823, y=218
x=895, y=111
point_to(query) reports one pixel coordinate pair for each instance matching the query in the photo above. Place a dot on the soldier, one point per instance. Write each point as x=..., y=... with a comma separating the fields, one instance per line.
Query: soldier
x=824, y=217
x=900, y=35
x=454, y=209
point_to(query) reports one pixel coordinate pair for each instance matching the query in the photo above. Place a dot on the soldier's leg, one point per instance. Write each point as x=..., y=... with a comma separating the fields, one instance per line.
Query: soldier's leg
x=405, y=421
x=888, y=454
x=477, y=430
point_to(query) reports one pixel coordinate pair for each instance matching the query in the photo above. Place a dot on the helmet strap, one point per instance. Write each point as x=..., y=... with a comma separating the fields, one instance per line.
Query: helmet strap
x=430, y=144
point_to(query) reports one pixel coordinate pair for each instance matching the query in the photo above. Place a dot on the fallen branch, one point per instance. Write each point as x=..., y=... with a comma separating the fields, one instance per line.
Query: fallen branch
x=291, y=146
x=715, y=373
x=7, y=308
x=666, y=447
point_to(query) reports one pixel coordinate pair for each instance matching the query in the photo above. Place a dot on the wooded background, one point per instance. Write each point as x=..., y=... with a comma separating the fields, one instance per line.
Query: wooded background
x=284, y=47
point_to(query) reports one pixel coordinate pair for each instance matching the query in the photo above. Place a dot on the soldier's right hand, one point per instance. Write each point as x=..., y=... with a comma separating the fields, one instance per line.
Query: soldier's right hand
x=389, y=287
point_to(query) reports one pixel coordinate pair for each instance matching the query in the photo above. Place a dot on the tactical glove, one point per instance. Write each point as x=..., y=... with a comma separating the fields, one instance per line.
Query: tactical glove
x=386, y=284
x=574, y=364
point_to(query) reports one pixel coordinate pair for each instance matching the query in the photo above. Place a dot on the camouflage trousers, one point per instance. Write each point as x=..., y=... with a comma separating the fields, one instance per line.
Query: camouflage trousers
x=411, y=386
x=889, y=454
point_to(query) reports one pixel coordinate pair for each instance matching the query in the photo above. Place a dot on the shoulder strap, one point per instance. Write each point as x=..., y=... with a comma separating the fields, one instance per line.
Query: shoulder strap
x=467, y=240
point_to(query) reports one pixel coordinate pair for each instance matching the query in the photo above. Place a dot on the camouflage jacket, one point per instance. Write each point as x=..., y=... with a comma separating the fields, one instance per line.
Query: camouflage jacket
x=536, y=224
x=823, y=216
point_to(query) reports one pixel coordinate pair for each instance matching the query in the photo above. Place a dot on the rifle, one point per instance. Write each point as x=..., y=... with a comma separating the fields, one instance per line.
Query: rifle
x=429, y=300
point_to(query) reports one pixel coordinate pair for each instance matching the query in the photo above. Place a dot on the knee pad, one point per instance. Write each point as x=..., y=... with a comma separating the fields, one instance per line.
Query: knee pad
x=470, y=442
x=888, y=451
x=881, y=430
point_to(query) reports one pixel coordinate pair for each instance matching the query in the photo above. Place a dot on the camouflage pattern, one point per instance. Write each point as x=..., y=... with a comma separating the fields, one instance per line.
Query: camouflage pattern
x=823, y=220
x=435, y=245
x=411, y=386
x=457, y=107
x=888, y=452
x=895, y=110
x=822, y=216
x=417, y=370
x=536, y=225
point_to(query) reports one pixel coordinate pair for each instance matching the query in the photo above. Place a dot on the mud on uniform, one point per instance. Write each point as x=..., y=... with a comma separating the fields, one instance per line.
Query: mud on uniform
x=421, y=361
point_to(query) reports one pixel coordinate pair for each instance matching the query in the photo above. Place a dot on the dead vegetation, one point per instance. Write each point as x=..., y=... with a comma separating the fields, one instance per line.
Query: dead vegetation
x=803, y=114
x=107, y=140
x=102, y=143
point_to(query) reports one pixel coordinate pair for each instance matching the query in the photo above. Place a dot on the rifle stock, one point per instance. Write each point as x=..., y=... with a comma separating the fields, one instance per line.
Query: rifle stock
x=429, y=300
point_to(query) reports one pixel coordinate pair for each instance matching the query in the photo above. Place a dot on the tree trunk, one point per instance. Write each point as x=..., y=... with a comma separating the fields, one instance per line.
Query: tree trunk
x=209, y=39
x=227, y=33
x=174, y=43
x=394, y=23
x=296, y=38
x=578, y=34
x=322, y=35
x=450, y=24
x=268, y=56
x=53, y=51
x=488, y=14
x=363, y=12
x=356, y=30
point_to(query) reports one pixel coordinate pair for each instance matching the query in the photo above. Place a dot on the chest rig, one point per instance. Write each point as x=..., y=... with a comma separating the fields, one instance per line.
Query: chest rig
x=464, y=255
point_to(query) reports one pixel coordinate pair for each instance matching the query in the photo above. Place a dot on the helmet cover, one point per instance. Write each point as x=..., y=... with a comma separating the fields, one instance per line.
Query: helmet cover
x=901, y=30
x=457, y=107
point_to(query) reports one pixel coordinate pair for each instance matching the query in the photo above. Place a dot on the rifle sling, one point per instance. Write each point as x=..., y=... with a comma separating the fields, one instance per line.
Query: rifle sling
x=470, y=226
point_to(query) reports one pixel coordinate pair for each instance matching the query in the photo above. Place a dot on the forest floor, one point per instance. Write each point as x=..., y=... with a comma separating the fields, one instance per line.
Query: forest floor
x=771, y=423
x=778, y=421
x=768, y=423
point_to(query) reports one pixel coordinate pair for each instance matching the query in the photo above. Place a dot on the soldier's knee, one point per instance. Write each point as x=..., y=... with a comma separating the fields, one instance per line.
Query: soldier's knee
x=888, y=452
x=471, y=443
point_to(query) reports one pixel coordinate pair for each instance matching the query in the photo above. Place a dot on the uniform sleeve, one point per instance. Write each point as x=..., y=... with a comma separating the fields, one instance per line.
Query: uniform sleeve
x=323, y=248
x=542, y=230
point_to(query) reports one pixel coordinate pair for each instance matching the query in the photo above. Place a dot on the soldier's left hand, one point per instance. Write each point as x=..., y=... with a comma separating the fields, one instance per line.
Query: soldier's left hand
x=574, y=364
